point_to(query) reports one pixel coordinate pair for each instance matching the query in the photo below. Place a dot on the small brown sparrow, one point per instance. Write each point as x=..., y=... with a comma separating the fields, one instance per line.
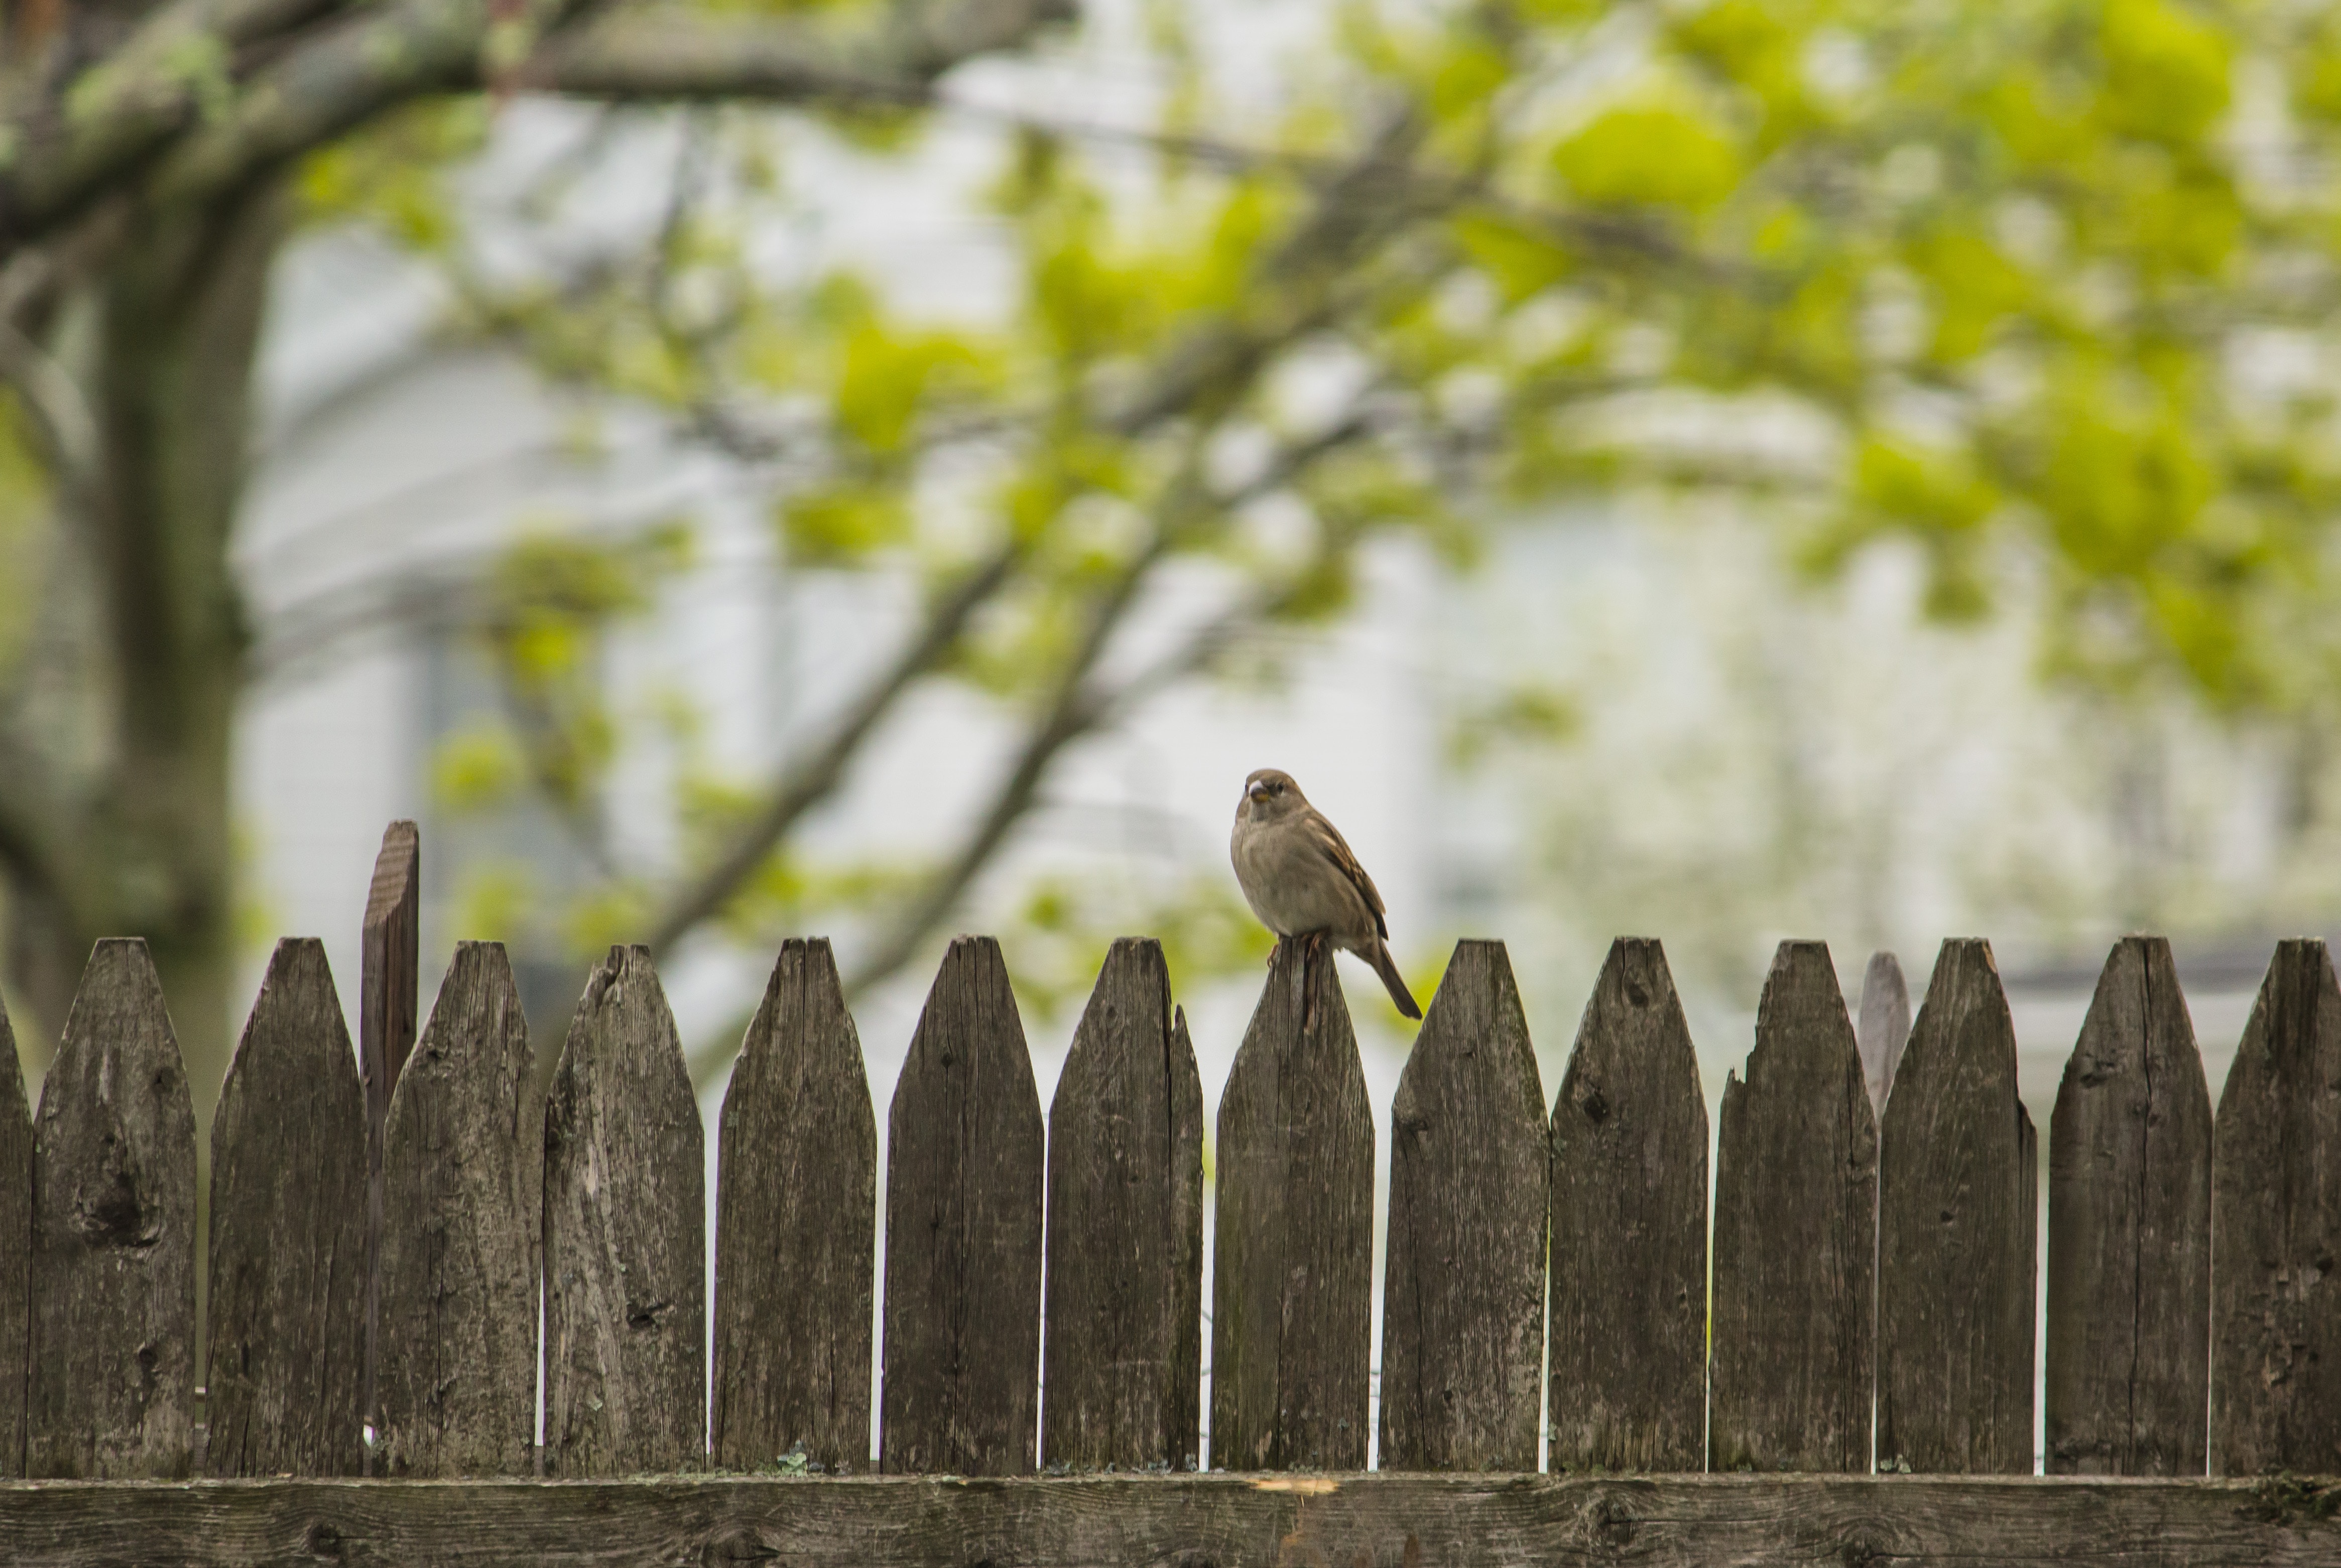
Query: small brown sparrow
x=1300, y=878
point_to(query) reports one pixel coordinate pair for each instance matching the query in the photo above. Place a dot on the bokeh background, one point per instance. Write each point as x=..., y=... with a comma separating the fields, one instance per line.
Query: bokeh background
x=1709, y=469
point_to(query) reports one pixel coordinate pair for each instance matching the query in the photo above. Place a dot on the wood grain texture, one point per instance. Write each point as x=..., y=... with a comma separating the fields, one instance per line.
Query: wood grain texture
x=287, y=1363
x=462, y=1175
x=16, y=1247
x=389, y=1001
x=965, y=1171
x=1293, y=1236
x=796, y=1229
x=625, y=1237
x=1463, y=1277
x=111, y=1389
x=1378, y=1521
x=2276, y=1230
x=1124, y=1304
x=1796, y=1236
x=1956, y=1225
x=2129, y=1231
x=1884, y=1027
x=1629, y=1337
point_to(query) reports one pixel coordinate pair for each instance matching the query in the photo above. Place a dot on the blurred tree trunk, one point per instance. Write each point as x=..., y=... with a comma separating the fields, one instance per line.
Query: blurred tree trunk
x=177, y=314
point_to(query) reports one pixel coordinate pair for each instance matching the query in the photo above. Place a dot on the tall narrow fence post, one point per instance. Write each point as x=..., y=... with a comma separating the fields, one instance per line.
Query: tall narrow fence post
x=1796, y=1236
x=2276, y=1230
x=111, y=1391
x=462, y=1174
x=389, y=999
x=1463, y=1275
x=285, y=1383
x=15, y=1249
x=1958, y=1187
x=625, y=1237
x=796, y=1229
x=964, y=1175
x=2129, y=1231
x=1293, y=1242
x=1123, y=1379
x=1629, y=1338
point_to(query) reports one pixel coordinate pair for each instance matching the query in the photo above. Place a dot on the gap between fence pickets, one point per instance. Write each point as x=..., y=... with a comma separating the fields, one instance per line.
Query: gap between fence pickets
x=1625, y=1135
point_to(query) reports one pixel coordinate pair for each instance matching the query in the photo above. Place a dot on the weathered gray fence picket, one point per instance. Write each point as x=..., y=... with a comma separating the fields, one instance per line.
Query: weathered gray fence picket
x=2276, y=1230
x=965, y=1178
x=1629, y=1337
x=286, y=1366
x=2129, y=1231
x=462, y=1174
x=1293, y=1238
x=796, y=1230
x=15, y=1249
x=1856, y=1258
x=625, y=1237
x=1123, y=1313
x=1796, y=1203
x=110, y=1385
x=1958, y=1187
x=389, y=998
x=1463, y=1279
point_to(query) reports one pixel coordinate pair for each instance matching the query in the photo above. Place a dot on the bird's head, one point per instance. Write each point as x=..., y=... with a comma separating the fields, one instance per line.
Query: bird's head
x=1270, y=794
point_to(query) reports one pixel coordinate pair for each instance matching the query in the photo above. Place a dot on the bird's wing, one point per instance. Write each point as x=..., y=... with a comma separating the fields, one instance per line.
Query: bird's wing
x=1334, y=848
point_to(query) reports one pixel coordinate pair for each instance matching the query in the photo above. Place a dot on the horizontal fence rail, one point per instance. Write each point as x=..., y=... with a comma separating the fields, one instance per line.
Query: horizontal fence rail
x=1547, y=1278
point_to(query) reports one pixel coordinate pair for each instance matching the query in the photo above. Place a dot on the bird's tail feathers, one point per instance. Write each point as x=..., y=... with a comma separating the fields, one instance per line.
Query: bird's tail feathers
x=1392, y=981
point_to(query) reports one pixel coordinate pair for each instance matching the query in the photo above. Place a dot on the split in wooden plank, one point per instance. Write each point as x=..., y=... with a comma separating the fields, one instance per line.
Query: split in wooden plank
x=1293, y=1240
x=1125, y=1233
x=1629, y=1336
x=1379, y=1520
x=1796, y=1236
x=625, y=1237
x=796, y=1229
x=2129, y=1231
x=463, y=1171
x=965, y=1172
x=1956, y=1225
x=2276, y=1230
x=1463, y=1279
x=286, y=1359
x=111, y=1389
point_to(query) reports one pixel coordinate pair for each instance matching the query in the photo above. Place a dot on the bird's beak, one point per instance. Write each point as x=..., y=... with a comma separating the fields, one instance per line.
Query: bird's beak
x=1258, y=792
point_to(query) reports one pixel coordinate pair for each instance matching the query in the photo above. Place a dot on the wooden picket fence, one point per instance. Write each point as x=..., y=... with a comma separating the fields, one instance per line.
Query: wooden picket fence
x=386, y=1225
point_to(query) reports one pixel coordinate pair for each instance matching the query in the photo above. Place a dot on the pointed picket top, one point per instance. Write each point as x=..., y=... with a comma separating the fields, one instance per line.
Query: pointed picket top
x=1463, y=1280
x=111, y=1391
x=1958, y=1181
x=1884, y=1027
x=1796, y=1232
x=1293, y=1242
x=285, y=1390
x=2275, y=1229
x=796, y=1228
x=625, y=1237
x=1628, y=1335
x=964, y=1176
x=464, y=1158
x=15, y=1249
x=2129, y=1231
x=1125, y=1234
